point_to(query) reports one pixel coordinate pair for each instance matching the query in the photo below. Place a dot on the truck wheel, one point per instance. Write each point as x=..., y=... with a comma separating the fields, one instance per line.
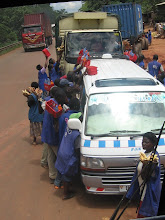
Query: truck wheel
x=25, y=49
x=138, y=49
x=146, y=44
x=143, y=43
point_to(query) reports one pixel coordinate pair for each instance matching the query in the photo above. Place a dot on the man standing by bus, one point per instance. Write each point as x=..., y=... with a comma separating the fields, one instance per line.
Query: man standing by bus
x=154, y=67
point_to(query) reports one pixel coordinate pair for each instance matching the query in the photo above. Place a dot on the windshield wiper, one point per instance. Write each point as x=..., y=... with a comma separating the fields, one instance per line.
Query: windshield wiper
x=123, y=131
x=100, y=135
x=111, y=133
x=157, y=129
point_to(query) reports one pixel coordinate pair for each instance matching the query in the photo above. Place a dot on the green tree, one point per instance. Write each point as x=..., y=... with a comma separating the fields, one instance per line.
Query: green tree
x=7, y=35
x=92, y=5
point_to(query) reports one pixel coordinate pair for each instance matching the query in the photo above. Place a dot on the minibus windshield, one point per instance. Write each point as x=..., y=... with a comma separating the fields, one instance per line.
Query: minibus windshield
x=124, y=114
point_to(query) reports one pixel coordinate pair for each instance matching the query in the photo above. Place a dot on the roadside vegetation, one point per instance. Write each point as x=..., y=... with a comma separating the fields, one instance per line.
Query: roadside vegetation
x=8, y=49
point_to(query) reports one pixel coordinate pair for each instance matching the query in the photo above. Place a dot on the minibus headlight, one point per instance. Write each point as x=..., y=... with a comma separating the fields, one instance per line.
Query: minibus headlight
x=91, y=163
x=94, y=163
x=83, y=161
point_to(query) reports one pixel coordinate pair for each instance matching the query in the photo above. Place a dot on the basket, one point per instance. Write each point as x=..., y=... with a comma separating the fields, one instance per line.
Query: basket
x=48, y=87
x=91, y=70
x=50, y=107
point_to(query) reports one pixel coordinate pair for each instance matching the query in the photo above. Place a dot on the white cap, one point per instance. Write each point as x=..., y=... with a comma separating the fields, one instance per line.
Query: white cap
x=74, y=123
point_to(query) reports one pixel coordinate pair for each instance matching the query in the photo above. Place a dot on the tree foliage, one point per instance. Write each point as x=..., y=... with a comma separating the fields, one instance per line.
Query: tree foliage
x=92, y=5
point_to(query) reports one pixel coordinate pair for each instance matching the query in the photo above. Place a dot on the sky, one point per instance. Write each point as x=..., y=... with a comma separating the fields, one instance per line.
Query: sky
x=70, y=6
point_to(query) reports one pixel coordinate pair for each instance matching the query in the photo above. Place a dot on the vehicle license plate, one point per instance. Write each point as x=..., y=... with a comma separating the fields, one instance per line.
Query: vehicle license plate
x=123, y=188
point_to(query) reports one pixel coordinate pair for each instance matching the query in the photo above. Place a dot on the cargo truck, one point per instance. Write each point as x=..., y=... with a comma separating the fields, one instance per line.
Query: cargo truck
x=36, y=31
x=99, y=32
x=130, y=15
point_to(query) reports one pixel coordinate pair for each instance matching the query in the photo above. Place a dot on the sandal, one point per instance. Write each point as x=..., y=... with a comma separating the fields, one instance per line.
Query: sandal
x=58, y=187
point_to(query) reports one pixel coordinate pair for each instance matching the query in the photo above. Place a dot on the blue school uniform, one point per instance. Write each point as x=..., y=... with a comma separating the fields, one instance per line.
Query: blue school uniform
x=33, y=114
x=49, y=135
x=54, y=74
x=154, y=67
x=41, y=79
x=63, y=123
x=141, y=64
x=149, y=37
x=151, y=200
x=67, y=160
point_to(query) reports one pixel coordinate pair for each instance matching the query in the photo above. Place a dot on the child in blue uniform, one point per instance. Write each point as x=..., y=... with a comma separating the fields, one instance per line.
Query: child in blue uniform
x=74, y=107
x=150, y=196
x=54, y=70
x=60, y=97
x=154, y=67
x=34, y=116
x=67, y=162
x=50, y=135
x=149, y=37
x=42, y=76
x=141, y=62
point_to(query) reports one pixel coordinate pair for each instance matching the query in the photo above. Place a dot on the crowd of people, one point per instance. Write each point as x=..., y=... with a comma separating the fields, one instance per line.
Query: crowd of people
x=154, y=67
x=61, y=136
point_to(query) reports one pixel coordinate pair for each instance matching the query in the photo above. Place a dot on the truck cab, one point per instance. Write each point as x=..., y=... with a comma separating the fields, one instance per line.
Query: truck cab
x=98, y=32
x=120, y=103
x=36, y=31
x=33, y=36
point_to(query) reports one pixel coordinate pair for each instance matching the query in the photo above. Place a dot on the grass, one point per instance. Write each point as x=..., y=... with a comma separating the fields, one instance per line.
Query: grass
x=10, y=49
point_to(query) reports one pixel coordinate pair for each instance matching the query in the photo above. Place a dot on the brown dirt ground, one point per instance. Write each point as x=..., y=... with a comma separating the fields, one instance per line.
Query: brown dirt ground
x=157, y=47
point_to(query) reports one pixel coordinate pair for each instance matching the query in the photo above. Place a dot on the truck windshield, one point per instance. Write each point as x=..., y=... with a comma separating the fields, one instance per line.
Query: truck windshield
x=125, y=113
x=34, y=29
x=97, y=43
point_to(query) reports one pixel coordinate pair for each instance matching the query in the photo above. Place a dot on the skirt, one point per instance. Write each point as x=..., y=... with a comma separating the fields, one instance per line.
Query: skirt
x=35, y=129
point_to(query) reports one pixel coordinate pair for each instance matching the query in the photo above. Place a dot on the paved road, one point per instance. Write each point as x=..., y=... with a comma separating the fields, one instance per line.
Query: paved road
x=25, y=191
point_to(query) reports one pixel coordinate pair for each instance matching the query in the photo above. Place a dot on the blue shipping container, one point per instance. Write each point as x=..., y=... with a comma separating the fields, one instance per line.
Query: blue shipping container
x=130, y=15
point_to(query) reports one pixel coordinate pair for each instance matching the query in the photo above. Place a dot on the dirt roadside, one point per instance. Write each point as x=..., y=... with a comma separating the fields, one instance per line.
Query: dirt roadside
x=157, y=47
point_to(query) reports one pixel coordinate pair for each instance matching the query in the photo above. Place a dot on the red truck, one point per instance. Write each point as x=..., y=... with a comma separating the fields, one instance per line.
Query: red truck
x=36, y=31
